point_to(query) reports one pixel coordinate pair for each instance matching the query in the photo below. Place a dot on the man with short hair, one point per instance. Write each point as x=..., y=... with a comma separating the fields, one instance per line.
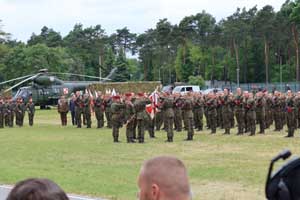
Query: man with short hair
x=163, y=178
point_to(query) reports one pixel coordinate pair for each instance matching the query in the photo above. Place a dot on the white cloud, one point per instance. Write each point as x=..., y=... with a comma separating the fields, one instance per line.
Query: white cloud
x=23, y=17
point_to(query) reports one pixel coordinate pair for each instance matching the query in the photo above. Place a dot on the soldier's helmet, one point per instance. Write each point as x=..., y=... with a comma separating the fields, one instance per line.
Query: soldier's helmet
x=284, y=184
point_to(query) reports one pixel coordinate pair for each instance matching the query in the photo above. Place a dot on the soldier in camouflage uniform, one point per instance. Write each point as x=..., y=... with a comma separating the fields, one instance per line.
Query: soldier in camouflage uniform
x=260, y=111
x=87, y=110
x=5, y=110
x=226, y=111
x=99, y=109
x=283, y=112
x=188, y=115
x=141, y=115
x=211, y=105
x=198, y=111
x=290, y=110
x=78, y=109
x=219, y=110
x=167, y=107
x=231, y=114
x=277, y=111
x=205, y=98
x=239, y=111
x=107, y=107
x=1, y=113
x=10, y=112
x=268, y=108
x=20, y=110
x=117, y=108
x=250, y=112
x=129, y=118
x=158, y=116
x=178, y=102
x=63, y=109
x=30, y=107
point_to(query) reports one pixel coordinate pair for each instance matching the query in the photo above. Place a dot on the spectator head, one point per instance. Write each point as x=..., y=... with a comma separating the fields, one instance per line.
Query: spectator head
x=37, y=189
x=164, y=178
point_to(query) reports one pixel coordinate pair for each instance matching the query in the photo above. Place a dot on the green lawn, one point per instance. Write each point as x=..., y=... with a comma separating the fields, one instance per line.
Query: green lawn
x=85, y=161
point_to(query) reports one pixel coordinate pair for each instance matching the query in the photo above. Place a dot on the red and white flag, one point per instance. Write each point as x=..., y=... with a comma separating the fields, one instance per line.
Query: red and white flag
x=150, y=108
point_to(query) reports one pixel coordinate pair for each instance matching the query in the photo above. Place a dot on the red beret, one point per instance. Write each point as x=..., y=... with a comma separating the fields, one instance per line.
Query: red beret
x=116, y=97
x=141, y=94
x=128, y=94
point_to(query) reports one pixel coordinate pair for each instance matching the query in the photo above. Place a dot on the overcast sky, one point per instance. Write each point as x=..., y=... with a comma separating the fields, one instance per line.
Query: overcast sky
x=23, y=17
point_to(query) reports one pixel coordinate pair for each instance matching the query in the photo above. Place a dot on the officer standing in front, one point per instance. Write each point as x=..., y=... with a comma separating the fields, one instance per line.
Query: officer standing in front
x=30, y=107
x=63, y=110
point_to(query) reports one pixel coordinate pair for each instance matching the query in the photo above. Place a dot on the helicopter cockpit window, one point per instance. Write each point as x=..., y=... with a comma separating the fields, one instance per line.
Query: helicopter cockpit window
x=23, y=93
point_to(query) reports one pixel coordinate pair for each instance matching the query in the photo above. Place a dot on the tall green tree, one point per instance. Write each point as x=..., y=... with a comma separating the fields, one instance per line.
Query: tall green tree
x=264, y=27
x=122, y=67
x=47, y=36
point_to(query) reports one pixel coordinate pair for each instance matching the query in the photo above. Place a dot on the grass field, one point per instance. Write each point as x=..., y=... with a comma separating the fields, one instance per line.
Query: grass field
x=85, y=161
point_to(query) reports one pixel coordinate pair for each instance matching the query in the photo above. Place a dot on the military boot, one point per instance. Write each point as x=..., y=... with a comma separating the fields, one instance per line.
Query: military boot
x=141, y=140
x=290, y=133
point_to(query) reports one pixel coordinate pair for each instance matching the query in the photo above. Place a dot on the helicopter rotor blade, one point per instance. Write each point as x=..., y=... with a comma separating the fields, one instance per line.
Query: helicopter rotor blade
x=15, y=79
x=80, y=75
x=21, y=82
x=111, y=73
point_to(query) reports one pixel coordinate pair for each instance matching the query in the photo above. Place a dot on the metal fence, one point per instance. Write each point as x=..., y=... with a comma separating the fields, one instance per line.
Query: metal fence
x=283, y=87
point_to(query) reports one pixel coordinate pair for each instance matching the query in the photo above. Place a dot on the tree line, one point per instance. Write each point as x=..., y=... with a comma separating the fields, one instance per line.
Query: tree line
x=251, y=45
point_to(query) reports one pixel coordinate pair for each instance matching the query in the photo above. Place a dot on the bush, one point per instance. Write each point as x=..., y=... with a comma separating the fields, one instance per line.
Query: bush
x=196, y=80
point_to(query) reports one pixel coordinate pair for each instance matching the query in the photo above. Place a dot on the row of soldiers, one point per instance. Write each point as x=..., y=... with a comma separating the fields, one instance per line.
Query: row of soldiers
x=186, y=112
x=11, y=111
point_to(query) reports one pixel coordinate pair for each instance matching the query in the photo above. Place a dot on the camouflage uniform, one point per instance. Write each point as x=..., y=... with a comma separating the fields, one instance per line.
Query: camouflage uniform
x=269, y=114
x=167, y=107
x=188, y=117
x=31, y=111
x=250, y=114
x=212, y=115
x=158, y=119
x=239, y=113
x=141, y=116
x=107, y=106
x=78, y=110
x=10, y=113
x=198, y=113
x=99, y=109
x=291, y=120
x=178, y=113
x=219, y=113
x=260, y=113
x=277, y=113
x=226, y=113
x=19, y=110
x=130, y=121
x=5, y=111
x=87, y=110
x=116, y=110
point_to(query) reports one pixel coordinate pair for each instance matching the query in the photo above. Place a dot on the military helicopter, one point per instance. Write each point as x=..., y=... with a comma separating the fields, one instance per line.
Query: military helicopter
x=46, y=88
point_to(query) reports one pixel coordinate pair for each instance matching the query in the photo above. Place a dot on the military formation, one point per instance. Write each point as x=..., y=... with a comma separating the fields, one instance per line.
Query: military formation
x=13, y=112
x=140, y=113
x=175, y=112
